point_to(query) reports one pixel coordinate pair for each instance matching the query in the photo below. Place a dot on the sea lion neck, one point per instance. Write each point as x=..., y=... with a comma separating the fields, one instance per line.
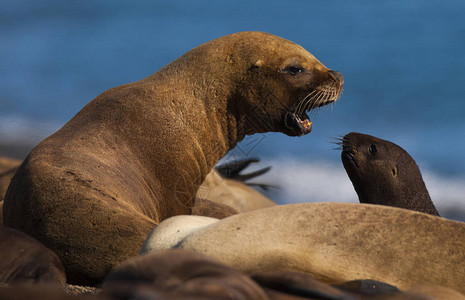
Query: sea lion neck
x=214, y=117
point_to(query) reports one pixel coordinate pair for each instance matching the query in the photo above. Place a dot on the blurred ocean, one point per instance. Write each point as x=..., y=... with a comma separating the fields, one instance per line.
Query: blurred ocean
x=403, y=63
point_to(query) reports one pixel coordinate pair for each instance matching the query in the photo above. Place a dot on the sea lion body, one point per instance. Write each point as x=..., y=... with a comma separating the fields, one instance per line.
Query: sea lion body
x=338, y=242
x=24, y=260
x=181, y=274
x=8, y=167
x=384, y=173
x=184, y=274
x=137, y=153
x=233, y=193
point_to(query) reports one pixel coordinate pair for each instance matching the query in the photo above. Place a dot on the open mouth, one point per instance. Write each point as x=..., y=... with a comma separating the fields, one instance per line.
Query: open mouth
x=296, y=121
x=297, y=124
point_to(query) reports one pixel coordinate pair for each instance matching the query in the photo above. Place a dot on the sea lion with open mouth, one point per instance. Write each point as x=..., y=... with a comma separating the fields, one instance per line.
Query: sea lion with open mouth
x=137, y=153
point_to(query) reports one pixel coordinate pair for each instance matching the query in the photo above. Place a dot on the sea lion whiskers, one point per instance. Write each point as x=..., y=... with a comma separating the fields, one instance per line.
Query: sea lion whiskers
x=329, y=96
x=308, y=100
x=315, y=112
x=337, y=141
x=300, y=107
x=314, y=104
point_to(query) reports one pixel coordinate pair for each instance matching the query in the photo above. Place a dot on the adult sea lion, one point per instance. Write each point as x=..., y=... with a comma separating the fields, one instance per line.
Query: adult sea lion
x=384, y=173
x=137, y=153
x=338, y=242
x=184, y=274
x=24, y=260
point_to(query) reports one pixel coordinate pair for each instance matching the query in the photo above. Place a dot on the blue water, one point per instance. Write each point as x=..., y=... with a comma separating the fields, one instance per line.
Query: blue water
x=403, y=64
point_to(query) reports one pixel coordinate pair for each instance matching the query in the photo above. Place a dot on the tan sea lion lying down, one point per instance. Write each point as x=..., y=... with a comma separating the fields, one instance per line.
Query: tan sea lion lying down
x=332, y=242
x=137, y=153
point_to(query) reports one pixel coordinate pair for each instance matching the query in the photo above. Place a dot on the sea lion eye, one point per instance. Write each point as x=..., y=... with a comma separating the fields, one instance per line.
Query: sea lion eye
x=394, y=171
x=373, y=149
x=293, y=70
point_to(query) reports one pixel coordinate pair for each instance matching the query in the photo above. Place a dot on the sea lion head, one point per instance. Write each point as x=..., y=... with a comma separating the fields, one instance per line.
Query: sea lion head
x=271, y=82
x=284, y=81
x=384, y=173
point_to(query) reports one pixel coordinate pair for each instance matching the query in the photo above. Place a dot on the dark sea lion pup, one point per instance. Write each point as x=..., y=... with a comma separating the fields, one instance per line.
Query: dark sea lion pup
x=384, y=173
x=137, y=153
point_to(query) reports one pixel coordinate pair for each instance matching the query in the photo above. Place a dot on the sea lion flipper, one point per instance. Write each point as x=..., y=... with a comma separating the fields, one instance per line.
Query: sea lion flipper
x=263, y=186
x=232, y=169
x=251, y=175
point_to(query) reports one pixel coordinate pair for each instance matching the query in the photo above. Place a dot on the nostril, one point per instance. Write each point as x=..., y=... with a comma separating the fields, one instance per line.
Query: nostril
x=336, y=76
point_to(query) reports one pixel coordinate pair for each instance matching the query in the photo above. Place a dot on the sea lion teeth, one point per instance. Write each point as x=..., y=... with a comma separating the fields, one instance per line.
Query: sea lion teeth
x=306, y=123
x=298, y=125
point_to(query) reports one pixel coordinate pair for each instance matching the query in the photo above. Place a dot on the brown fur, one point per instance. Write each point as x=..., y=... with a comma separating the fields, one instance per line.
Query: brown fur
x=385, y=175
x=235, y=194
x=137, y=153
x=436, y=292
x=181, y=272
x=8, y=167
x=25, y=260
x=338, y=242
x=22, y=292
x=207, y=208
x=295, y=284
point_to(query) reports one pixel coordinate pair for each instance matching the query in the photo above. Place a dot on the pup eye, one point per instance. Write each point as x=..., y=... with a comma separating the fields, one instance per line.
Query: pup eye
x=295, y=70
x=373, y=149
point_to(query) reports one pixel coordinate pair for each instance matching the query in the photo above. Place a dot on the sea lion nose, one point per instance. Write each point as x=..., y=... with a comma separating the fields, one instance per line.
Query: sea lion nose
x=336, y=76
